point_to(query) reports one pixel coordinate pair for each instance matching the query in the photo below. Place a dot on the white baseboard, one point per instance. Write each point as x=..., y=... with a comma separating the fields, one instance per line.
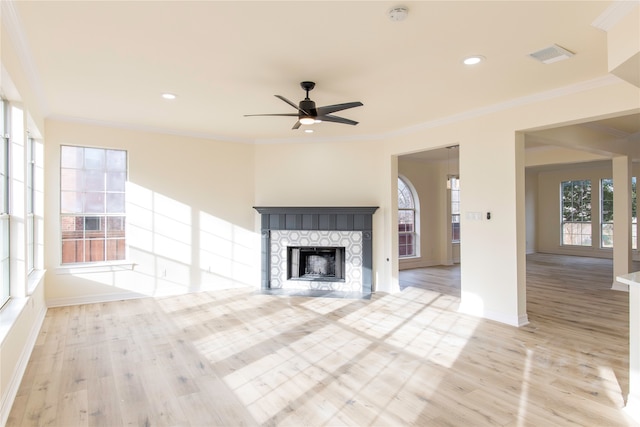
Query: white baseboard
x=617, y=286
x=14, y=384
x=498, y=317
x=633, y=408
x=93, y=299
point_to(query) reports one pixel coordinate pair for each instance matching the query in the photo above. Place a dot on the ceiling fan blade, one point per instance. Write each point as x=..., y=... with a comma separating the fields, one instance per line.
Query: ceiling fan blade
x=283, y=114
x=328, y=109
x=292, y=104
x=297, y=125
x=336, y=119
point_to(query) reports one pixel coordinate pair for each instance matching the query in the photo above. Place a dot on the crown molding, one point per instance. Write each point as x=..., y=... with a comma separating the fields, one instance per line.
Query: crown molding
x=11, y=21
x=606, y=129
x=614, y=13
x=513, y=103
x=150, y=129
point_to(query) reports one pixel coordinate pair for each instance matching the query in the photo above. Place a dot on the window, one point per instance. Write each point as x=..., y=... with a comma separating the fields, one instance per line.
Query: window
x=606, y=213
x=4, y=205
x=31, y=166
x=92, y=202
x=576, y=212
x=634, y=215
x=454, y=184
x=406, y=220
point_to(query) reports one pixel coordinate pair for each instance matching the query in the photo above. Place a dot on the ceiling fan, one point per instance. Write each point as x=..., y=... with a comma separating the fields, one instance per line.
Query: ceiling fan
x=309, y=114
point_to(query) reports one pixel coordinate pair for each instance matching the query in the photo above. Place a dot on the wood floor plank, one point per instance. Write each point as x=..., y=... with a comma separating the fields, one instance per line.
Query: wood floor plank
x=235, y=358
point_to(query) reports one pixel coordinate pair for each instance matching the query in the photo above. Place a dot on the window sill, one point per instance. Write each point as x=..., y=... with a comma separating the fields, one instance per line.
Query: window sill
x=34, y=278
x=94, y=268
x=9, y=313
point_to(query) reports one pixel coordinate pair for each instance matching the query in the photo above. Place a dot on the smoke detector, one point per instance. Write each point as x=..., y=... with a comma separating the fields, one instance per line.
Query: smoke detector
x=551, y=54
x=398, y=13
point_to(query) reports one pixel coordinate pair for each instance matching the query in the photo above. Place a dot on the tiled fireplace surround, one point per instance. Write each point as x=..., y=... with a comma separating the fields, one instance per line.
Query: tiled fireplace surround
x=348, y=227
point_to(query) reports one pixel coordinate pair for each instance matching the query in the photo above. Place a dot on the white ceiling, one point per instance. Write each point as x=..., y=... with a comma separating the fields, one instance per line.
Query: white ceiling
x=109, y=61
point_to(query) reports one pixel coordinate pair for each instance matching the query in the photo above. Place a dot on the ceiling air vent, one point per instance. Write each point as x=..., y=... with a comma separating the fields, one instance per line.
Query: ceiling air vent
x=551, y=54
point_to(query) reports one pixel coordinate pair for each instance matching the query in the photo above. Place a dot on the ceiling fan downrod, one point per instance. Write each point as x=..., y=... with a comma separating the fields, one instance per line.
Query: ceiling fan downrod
x=307, y=86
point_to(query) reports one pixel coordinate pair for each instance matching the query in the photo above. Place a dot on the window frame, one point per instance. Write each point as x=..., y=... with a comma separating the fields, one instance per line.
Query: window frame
x=109, y=237
x=5, y=218
x=30, y=203
x=407, y=238
x=453, y=184
x=609, y=210
x=581, y=208
x=606, y=214
x=634, y=214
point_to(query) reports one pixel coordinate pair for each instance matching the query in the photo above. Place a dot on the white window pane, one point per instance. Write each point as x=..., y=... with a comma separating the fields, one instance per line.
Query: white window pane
x=94, y=158
x=71, y=202
x=94, y=180
x=71, y=179
x=115, y=202
x=71, y=157
x=94, y=203
x=116, y=181
x=116, y=160
x=4, y=233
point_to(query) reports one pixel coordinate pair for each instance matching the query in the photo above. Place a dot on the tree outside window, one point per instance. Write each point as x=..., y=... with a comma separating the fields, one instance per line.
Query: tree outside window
x=606, y=213
x=576, y=212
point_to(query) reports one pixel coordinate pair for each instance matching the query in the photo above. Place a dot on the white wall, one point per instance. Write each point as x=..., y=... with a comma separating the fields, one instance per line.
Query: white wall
x=531, y=203
x=190, y=222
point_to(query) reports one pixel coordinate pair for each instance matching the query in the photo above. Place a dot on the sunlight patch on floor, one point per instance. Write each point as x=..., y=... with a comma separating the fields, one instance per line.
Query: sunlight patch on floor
x=268, y=385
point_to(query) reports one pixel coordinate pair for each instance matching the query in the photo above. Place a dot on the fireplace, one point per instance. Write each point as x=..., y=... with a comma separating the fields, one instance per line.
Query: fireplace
x=313, y=263
x=317, y=249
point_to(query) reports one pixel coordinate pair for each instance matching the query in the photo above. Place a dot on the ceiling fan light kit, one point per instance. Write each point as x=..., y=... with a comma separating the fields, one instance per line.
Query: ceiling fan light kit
x=309, y=114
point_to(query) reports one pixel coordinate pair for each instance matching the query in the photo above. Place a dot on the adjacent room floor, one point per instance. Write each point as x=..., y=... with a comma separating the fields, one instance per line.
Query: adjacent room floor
x=235, y=358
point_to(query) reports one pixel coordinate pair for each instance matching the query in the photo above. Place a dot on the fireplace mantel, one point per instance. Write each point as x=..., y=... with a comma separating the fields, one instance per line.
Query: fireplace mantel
x=320, y=218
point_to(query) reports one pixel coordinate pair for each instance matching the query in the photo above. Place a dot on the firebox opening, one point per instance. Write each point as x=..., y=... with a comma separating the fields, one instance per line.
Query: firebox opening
x=316, y=263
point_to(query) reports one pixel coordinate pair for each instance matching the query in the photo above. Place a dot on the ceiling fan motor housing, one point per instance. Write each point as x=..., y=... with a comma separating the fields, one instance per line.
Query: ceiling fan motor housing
x=308, y=106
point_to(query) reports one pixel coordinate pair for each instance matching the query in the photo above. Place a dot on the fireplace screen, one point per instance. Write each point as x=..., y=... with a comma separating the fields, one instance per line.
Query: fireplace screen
x=316, y=263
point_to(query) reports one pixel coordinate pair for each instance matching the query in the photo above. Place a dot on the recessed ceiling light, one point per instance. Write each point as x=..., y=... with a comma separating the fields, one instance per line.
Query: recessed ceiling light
x=308, y=131
x=169, y=96
x=473, y=60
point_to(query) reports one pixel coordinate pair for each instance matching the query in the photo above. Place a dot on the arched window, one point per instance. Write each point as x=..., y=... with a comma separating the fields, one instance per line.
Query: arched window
x=406, y=220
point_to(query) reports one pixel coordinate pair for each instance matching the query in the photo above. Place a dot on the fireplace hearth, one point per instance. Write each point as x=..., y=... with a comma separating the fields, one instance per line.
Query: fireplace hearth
x=319, y=250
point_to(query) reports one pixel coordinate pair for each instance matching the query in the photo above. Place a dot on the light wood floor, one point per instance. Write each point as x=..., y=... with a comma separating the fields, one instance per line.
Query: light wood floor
x=236, y=358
